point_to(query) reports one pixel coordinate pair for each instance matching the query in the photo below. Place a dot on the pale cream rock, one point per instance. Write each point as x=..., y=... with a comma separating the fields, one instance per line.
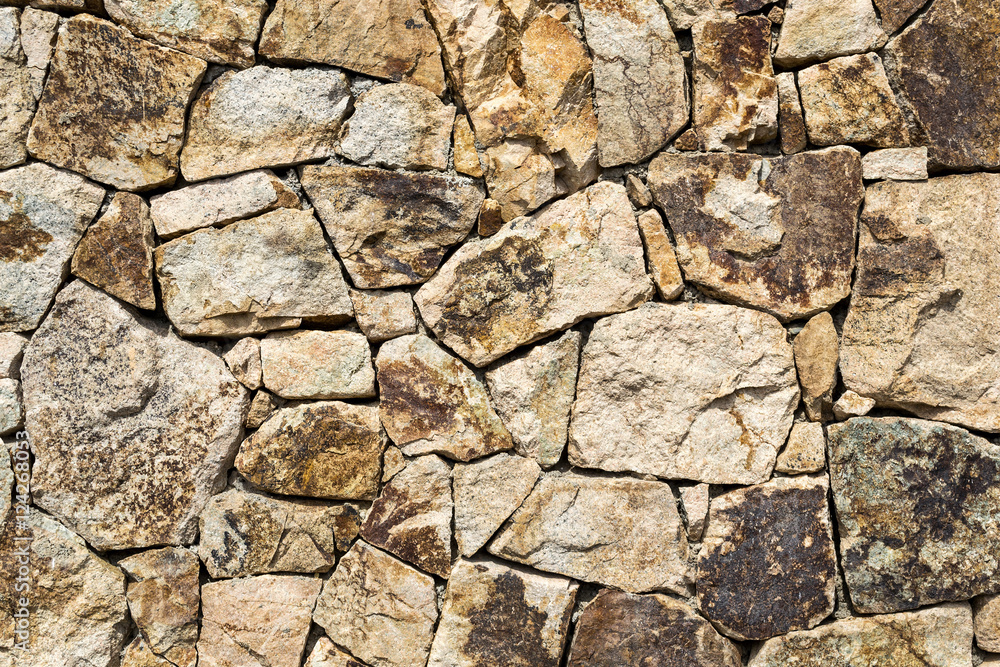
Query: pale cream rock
x=660, y=255
x=318, y=364
x=466, y=155
x=816, y=354
x=382, y=315
x=38, y=39
x=815, y=30
x=17, y=104
x=520, y=178
x=326, y=654
x=11, y=406
x=685, y=13
x=895, y=164
x=137, y=654
x=243, y=360
x=486, y=493
x=11, y=352
x=805, y=451
x=850, y=404
x=392, y=462
x=986, y=614
x=791, y=123
x=7, y=477
x=638, y=193
x=263, y=404
x=695, y=500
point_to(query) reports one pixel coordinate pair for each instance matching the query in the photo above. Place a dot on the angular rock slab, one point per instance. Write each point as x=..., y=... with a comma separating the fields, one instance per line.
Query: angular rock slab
x=326, y=654
x=12, y=347
x=114, y=106
x=43, y=215
x=805, y=451
x=771, y=233
x=17, y=105
x=817, y=351
x=618, y=532
x=791, y=123
x=808, y=33
x=895, y=164
x=497, y=615
x=919, y=334
x=577, y=258
x=986, y=614
x=651, y=630
x=383, y=315
x=699, y=392
x=138, y=654
x=243, y=360
x=768, y=564
x=660, y=254
x=317, y=364
x=132, y=428
x=38, y=38
x=11, y=406
x=919, y=508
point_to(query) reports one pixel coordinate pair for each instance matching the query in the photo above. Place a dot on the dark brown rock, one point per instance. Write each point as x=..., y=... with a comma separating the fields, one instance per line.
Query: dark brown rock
x=490, y=218
x=895, y=13
x=791, y=124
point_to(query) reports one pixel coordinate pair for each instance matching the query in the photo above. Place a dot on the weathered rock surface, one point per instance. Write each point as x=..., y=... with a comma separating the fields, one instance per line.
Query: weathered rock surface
x=11, y=406
x=392, y=462
x=791, y=123
x=243, y=360
x=684, y=14
x=11, y=352
x=326, y=654
x=773, y=233
x=43, y=214
x=269, y=272
x=851, y=404
x=431, y=403
x=38, y=39
x=817, y=351
x=132, y=428
x=466, y=155
x=138, y=654
x=618, y=532
x=715, y=405
x=895, y=164
x=261, y=406
x=986, y=612
x=378, y=608
x=264, y=117
x=494, y=614
x=695, y=500
x=325, y=450
x=815, y=30
x=805, y=451
x=490, y=218
x=391, y=228
x=895, y=13
x=17, y=105
x=637, y=192
x=660, y=256
x=318, y=364
x=384, y=315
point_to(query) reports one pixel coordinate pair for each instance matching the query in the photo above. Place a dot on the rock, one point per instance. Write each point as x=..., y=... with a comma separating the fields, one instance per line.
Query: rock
x=261, y=407
x=11, y=352
x=640, y=83
x=392, y=462
x=958, y=117
x=579, y=257
x=986, y=610
x=617, y=532
x=116, y=253
x=486, y=493
x=256, y=621
x=622, y=629
x=896, y=164
x=768, y=564
x=378, y=608
x=7, y=486
x=918, y=505
x=38, y=38
x=322, y=450
x=806, y=34
x=243, y=360
x=776, y=16
x=688, y=141
x=11, y=406
x=384, y=315
x=318, y=364
x=399, y=126
x=686, y=391
x=637, y=192
x=17, y=105
x=234, y=281
x=494, y=614
x=919, y=333
x=163, y=598
x=685, y=13
x=772, y=233
x=325, y=654
x=390, y=39
x=520, y=178
x=805, y=451
x=219, y=203
x=391, y=228
x=264, y=117
x=695, y=500
x=431, y=403
x=791, y=123
x=466, y=155
x=137, y=654
x=660, y=256
x=412, y=516
x=816, y=353
x=851, y=404
x=43, y=214
x=490, y=218
x=132, y=428
x=735, y=92
x=895, y=13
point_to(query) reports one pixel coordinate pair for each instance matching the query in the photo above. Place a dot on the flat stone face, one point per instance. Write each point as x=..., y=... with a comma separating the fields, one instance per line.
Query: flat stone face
x=660, y=255
x=382, y=315
x=391, y=228
x=936, y=637
x=618, y=532
x=132, y=428
x=93, y=118
x=466, y=155
x=791, y=123
x=959, y=115
x=494, y=614
x=700, y=392
x=805, y=450
x=896, y=164
x=243, y=360
x=817, y=351
x=326, y=654
x=238, y=280
x=773, y=233
x=264, y=117
x=11, y=352
x=43, y=214
x=806, y=34
x=380, y=609
x=918, y=508
x=38, y=39
x=390, y=39
x=17, y=106
x=318, y=364
x=579, y=257
x=622, y=629
x=986, y=610
x=895, y=13
x=919, y=334
x=11, y=406
x=324, y=450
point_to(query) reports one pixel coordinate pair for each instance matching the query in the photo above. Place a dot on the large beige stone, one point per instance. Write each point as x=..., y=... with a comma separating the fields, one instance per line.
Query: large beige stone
x=817, y=351
x=318, y=364
x=17, y=104
x=815, y=30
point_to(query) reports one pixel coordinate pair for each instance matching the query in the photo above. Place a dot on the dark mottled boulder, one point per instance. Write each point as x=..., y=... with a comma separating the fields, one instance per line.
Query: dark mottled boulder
x=895, y=13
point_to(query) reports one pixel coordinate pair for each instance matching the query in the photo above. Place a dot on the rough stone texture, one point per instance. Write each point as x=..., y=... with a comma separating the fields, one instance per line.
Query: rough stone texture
x=384, y=315
x=318, y=364
x=324, y=450
x=243, y=360
x=895, y=164
x=263, y=404
x=390, y=39
x=700, y=392
x=579, y=257
x=392, y=462
x=851, y=404
x=486, y=493
x=38, y=39
x=618, y=532
x=490, y=218
x=11, y=406
x=936, y=637
x=945, y=67
x=43, y=214
x=431, y=403
x=640, y=83
x=256, y=621
x=791, y=124
x=695, y=500
x=918, y=508
x=816, y=354
x=264, y=117
x=986, y=611
x=269, y=272
x=660, y=256
x=378, y=608
x=637, y=192
x=618, y=629
x=326, y=654
x=7, y=486
x=773, y=233
x=768, y=564
x=685, y=13
x=219, y=203
x=497, y=615
x=399, y=126
x=814, y=30
x=919, y=334
x=805, y=451
x=11, y=352
x=895, y=13
x=412, y=516
x=138, y=654
x=466, y=155
x=116, y=253
x=17, y=104
x=391, y=228
x=132, y=428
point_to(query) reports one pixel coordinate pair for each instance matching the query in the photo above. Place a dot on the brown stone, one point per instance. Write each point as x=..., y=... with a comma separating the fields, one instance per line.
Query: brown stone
x=791, y=124
x=263, y=404
x=805, y=450
x=638, y=193
x=660, y=256
x=490, y=218
x=895, y=13
x=466, y=155
x=816, y=354
x=688, y=141
x=384, y=315
x=986, y=611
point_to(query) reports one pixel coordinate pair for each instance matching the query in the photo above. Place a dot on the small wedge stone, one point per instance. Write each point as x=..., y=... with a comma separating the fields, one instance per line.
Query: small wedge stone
x=817, y=351
x=805, y=451
x=383, y=315
x=660, y=257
